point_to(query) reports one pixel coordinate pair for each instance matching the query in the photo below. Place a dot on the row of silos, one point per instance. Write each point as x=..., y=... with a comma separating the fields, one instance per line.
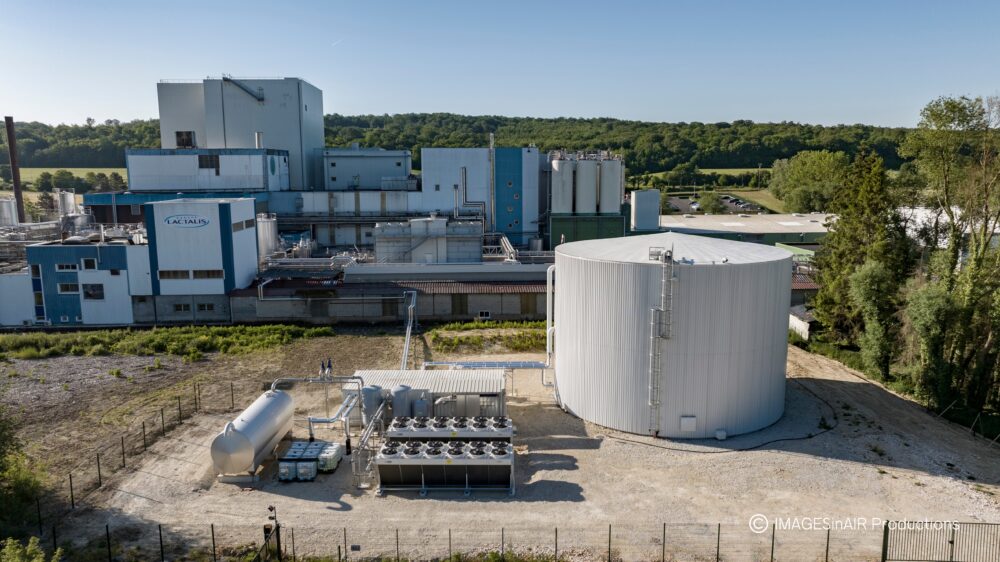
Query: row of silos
x=587, y=184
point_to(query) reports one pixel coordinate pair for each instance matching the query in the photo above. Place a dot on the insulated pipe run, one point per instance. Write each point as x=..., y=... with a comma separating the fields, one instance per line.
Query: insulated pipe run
x=345, y=410
x=411, y=311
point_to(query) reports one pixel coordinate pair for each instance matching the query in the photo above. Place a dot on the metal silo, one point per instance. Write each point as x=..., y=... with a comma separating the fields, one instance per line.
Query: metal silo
x=66, y=201
x=562, y=186
x=681, y=346
x=586, y=187
x=612, y=189
x=8, y=212
x=268, y=241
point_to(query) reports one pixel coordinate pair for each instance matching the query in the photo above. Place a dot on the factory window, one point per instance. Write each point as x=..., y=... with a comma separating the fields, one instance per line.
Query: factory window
x=93, y=291
x=36, y=271
x=89, y=263
x=399, y=164
x=174, y=274
x=208, y=274
x=64, y=318
x=182, y=308
x=484, y=314
x=185, y=139
x=237, y=226
x=517, y=196
x=333, y=164
x=437, y=187
x=139, y=299
x=206, y=307
x=333, y=178
x=249, y=223
x=69, y=288
x=209, y=162
x=66, y=267
x=39, y=300
x=510, y=183
x=517, y=223
x=510, y=209
x=116, y=272
x=135, y=209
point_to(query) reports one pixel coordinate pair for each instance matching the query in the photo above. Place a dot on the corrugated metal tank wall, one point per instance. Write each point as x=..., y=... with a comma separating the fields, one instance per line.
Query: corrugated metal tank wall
x=586, y=187
x=612, y=188
x=562, y=186
x=725, y=361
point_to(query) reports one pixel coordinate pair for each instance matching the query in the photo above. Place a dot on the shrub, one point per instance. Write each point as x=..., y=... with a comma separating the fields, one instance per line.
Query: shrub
x=116, y=373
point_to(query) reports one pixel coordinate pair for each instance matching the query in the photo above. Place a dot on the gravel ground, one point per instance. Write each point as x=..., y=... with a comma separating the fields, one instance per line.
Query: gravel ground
x=884, y=458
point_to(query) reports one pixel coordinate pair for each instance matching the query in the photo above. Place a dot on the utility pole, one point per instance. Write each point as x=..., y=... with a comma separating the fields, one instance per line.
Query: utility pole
x=15, y=171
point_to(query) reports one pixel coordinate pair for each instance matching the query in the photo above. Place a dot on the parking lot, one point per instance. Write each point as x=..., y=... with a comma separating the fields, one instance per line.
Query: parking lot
x=683, y=204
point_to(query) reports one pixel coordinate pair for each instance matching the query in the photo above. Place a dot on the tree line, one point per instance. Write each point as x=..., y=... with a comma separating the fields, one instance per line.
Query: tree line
x=910, y=272
x=647, y=147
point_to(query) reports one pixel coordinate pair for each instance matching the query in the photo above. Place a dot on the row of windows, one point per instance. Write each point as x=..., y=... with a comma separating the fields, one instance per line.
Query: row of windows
x=202, y=307
x=240, y=225
x=334, y=165
x=175, y=274
x=91, y=291
x=88, y=264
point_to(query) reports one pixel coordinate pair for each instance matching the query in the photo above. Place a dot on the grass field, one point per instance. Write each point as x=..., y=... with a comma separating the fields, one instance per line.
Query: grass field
x=31, y=174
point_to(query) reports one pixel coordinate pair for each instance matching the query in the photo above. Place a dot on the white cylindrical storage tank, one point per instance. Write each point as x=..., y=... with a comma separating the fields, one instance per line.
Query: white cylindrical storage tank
x=268, y=241
x=253, y=434
x=721, y=348
x=646, y=209
x=8, y=212
x=586, y=187
x=612, y=187
x=562, y=186
x=66, y=201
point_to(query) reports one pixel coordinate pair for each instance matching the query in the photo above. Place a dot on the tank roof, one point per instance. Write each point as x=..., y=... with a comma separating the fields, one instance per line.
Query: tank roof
x=687, y=248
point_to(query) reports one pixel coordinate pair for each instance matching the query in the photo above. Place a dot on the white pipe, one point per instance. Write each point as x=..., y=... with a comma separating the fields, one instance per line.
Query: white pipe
x=549, y=313
x=411, y=314
x=345, y=410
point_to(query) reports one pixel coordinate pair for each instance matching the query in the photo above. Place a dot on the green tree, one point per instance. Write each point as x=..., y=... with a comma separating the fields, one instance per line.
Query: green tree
x=711, y=202
x=818, y=175
x=867, y=228
x=873, y=289
x=64, y=180
x=46, y=201
x=14, y=551
x=5, y=173
x=44, y=182
x=116, y=182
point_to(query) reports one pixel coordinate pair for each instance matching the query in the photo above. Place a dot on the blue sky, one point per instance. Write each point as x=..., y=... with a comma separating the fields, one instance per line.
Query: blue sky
x=842, y=61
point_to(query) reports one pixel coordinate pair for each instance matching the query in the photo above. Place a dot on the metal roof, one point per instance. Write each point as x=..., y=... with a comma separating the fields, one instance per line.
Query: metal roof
x=749, y=224
x=459, y=381
x=687, y=248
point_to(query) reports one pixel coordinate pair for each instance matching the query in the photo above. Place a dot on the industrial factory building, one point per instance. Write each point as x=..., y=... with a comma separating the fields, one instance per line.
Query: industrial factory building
x=671, y=334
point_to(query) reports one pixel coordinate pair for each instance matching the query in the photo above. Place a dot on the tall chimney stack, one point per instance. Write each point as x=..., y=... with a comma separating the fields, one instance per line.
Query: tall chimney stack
x=15, y=171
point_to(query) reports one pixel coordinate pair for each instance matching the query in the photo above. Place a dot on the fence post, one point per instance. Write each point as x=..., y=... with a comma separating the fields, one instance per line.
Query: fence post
x=107, y=535
x=214, y=559
x=826, y=557
x=345, y=542
x=194, y=387
x=502, y=544
x=55, y=543
x=338, y=553
x=773, y=528
x=123, y=451
x=163, y=424
x=609, y=542
x=557, y=544
x=99, y=481
x=397, y=545
x=232, y=396
x=38, y=507
x=179, y=414
x=292, y=532
x=144, y=435
x=72, y=497
x=951, y=544
x=663, y=544
x=885, y=541
x=159, y=529
x=718, y=541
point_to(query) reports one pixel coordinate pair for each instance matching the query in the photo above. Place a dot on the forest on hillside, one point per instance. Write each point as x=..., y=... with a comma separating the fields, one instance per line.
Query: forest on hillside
x=647, y=147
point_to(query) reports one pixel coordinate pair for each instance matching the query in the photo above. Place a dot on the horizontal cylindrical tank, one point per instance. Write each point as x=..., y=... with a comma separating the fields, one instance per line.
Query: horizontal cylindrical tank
x=720, y=342
x=401, y=401
x=585, y=192
x=254, y=434
x=611, y=188
x=646, y=209
x=8, y=212
x=562, y=186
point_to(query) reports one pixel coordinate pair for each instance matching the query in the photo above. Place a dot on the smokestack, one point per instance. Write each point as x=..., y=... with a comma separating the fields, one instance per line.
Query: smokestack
x=15, y=171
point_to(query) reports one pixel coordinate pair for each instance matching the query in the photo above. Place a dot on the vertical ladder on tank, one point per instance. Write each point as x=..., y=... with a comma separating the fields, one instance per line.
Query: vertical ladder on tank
x=660, y=328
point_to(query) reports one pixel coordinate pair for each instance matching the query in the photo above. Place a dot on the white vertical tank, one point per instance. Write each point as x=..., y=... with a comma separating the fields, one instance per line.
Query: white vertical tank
x=586, y=187
x=66, y=201
x=612, y=187
x=562, y=186
x=721, y=349
x=268, y=241
x=254, y=434
x=646, y=210
x=8, y=212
